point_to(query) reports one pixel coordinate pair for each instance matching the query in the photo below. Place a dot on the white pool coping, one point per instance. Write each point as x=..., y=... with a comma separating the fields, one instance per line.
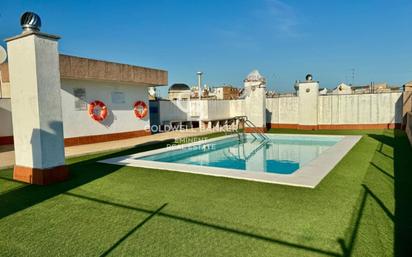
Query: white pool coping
x=310, y=175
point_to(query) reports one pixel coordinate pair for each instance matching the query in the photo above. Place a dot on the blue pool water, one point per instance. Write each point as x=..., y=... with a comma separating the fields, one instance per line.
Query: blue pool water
x=280, y=154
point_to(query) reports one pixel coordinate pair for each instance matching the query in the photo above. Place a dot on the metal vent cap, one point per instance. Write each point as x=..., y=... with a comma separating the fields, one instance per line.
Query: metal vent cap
x=30, y=21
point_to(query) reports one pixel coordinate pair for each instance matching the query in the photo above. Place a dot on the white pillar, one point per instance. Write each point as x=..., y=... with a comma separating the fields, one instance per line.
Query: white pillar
x=36, y=107
x=308, y=104
x=255, y=101
x=256, y=108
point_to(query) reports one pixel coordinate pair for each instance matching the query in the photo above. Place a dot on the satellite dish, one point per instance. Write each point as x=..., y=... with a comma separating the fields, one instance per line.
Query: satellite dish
x=3, y=55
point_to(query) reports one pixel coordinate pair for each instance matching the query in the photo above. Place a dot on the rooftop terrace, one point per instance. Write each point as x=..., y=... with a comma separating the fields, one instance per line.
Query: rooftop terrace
x=362, y=208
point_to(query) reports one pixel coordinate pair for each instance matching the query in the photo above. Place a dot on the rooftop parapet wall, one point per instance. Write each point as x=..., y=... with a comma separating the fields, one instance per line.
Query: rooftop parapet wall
x=282, y=110
x=382, y=108
x=4, y=69
x=407, y=101
x=82, y=68
x=204, y=110
x=72, y=67
x=366, y=111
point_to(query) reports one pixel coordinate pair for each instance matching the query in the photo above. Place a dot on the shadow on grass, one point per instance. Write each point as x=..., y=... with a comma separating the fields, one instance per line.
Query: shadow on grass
x=402, y=218
x=403, y=190
x=402, y=182
x=81, y=172
x=347, y=247
x=85, y=171
x=108, y=251
x=199, y=223
x=403, y=195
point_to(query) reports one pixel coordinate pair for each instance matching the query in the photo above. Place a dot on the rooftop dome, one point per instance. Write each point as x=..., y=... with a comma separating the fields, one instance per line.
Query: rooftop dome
x=179, y=87
x=255, y=76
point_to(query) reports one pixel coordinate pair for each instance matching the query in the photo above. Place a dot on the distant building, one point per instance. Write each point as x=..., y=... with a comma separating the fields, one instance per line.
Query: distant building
x=152, y=93
x=375, y=88
x=179, y=91
x=194, y=93
x=225, y=92
x=323, y=91
x=407, y=85
x=251, y=82
x=342, y=89
x=271, y=94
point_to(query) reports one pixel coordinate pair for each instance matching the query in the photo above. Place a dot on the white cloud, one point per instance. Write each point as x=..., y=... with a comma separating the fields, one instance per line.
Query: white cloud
x=282, y=16
x=273, y=18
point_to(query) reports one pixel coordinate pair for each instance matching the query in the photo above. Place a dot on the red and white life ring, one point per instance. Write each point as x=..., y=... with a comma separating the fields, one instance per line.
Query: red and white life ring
x=103, y=110
x=140, y=109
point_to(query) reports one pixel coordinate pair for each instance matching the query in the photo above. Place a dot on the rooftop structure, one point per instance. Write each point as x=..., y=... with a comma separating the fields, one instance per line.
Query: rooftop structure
x=342, y=88
x=255, y=76
x=179, y=91
x=179, y=87
x=225, y=92
x=73, y=67
x=251, y=82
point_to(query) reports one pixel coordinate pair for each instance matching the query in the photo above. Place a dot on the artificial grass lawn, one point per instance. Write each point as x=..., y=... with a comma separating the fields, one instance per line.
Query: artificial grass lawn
x=362, y=208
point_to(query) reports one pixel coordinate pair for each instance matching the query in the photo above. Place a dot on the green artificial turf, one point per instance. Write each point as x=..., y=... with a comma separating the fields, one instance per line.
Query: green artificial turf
x=362, y=208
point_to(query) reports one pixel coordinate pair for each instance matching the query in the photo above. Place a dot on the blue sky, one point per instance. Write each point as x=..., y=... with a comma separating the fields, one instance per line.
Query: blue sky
x=283, y=39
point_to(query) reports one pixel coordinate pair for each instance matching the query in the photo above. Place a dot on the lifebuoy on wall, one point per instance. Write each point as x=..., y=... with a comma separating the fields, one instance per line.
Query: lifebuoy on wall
x=103, y=110
x=140, y=109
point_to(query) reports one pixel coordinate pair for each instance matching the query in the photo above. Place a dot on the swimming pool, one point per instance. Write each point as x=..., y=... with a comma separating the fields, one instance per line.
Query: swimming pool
x=278, y=154
x=301, y=160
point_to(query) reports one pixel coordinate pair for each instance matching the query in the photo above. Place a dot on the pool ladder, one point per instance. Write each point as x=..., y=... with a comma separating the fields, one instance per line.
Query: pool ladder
x=256, y=133
x=241, y=136
x=241, y=149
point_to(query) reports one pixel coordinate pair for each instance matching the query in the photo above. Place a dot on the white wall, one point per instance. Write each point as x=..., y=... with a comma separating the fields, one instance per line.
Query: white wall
x=282, y=110
x=120, y=117
x=380, y=108
x=333, y=109
x=174, y=111
x=205, y=109
x=217, y=110
x=6, y=128
x=237, y=107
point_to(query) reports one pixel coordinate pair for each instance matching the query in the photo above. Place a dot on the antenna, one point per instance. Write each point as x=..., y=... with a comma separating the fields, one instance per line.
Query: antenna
x=353, y=76
x=199, y=84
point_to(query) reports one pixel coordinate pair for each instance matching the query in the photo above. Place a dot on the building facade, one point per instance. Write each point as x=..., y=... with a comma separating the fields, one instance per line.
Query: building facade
x=83, y=80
